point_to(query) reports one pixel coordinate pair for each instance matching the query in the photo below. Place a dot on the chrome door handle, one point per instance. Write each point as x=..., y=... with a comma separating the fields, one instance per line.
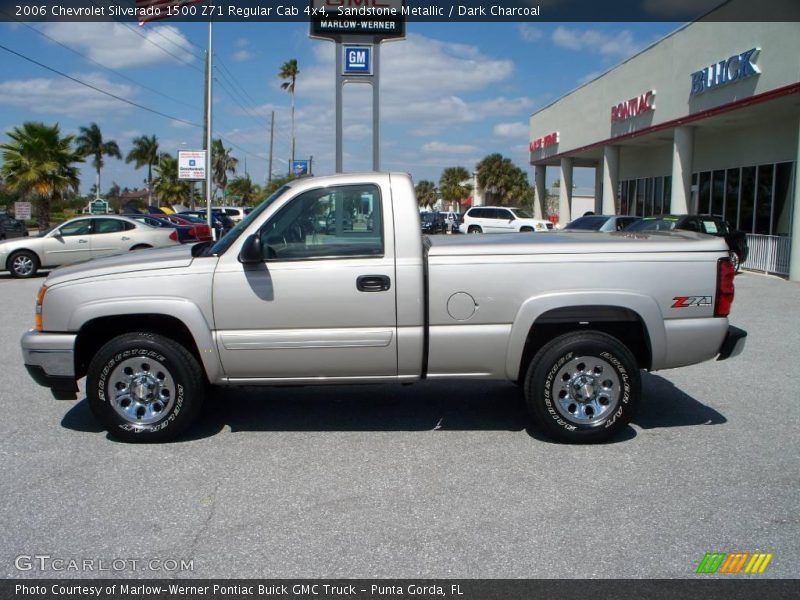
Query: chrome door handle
x=125, y=238
x=83, y=241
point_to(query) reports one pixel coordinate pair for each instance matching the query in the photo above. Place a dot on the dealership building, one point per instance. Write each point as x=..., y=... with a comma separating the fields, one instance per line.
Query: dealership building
x=706, y=120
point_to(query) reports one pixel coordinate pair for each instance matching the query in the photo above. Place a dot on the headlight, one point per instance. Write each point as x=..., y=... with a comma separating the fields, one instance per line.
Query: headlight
x=39, y=325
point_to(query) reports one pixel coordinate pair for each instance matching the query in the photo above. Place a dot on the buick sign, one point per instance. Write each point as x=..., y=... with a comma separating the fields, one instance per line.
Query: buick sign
x=737, y=67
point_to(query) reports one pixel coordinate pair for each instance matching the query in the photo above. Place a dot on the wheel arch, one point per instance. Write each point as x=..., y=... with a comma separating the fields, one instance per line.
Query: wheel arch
x=634, y=319
x=16, y=251
x=180, y=325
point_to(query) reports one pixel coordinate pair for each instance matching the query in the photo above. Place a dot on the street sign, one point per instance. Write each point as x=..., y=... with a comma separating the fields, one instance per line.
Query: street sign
x=299, y=168
x=22, y=211
x=192, y=165
x=373, y=19
x=357, y=60
x=98, y=207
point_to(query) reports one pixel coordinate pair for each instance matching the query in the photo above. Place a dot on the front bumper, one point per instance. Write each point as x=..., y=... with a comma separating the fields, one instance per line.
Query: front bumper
x=50, y=361
x=733, y=344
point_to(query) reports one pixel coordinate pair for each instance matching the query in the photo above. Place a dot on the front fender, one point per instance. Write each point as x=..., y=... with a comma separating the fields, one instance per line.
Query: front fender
x=179, y=308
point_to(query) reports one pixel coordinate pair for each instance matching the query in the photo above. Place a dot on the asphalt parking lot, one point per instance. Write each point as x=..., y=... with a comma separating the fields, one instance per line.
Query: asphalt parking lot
x=432, y=480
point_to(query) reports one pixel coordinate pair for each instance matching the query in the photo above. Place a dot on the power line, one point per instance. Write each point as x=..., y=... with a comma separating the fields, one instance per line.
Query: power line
x=97, y=89
x=145, y=86
x=235, y=81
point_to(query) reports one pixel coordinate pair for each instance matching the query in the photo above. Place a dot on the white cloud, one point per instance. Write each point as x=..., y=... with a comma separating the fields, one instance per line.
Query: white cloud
x=512, y=130
x=590, y=76
x=65, y=97
x=243, y=55
x=528, y=33
x=614, y=45
x=117, y=45
x=242, y=43
x=445, y=148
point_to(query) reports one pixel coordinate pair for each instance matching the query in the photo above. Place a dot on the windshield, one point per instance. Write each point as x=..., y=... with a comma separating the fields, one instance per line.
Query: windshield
x=522, y=214
x=653, y=225
x=587, y=223
x=46, y=231
x=225, y=242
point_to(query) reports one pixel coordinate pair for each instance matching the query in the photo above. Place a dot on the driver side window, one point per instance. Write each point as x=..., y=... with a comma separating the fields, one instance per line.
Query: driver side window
x=82, y=227
x=341, y=221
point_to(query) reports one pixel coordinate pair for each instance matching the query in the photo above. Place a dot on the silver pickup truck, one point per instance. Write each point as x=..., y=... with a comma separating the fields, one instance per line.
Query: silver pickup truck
x=329, y=281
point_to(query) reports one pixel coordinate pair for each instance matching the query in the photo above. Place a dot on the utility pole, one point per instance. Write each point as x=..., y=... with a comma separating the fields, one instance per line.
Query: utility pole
x=209, y=65
x=271, y=137
x=310, y=164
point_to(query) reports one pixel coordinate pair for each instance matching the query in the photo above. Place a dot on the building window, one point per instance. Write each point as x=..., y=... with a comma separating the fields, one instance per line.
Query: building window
x=747, y=199
x=731, y=212
x=716, y=207
x=782, y=206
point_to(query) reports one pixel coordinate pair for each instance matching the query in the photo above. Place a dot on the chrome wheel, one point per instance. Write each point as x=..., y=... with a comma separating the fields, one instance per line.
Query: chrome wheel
x=22, y=265
x=141, y=390
x=735, y=261
x=587, y=390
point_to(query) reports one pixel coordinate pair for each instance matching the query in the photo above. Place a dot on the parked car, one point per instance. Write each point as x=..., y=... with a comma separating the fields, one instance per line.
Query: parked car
x=573, y=319
x=222, y=223
x=80, y=239
x=501, y=219
x=601, y=223
x=186, y=233
x=452, y=220
x=234, y=213
x=432, y=223
x=200, y=230
x=710, y=224
x=11, y=227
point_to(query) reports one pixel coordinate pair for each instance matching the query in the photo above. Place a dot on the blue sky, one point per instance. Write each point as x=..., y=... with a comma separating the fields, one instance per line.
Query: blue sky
x=451, y=92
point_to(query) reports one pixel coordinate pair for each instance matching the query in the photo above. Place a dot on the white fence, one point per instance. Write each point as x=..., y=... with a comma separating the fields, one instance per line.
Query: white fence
x=768, y=253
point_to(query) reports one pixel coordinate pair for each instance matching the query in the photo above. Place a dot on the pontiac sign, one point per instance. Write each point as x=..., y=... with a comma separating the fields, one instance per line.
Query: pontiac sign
x=634, y=107
x=331, y=19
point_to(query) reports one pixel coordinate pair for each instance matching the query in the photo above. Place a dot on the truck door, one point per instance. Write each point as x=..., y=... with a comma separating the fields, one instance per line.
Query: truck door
x=322, y=303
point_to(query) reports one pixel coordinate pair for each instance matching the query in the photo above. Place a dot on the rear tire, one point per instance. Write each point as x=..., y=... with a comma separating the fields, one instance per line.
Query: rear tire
x=583, y=387
x=736, y=261
x=144, y=387
x=23, y=264
x=526, y=229
x=140, y=247
x=474, y=229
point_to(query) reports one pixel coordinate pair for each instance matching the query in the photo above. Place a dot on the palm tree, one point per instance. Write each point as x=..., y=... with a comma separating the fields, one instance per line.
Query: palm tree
x=244, y=188
x=37, y=162
x=454, y=184
x=222, y=163
x=289, y=73
x=503, y=181
x=426, y=193
x=145, y=152
x=168, y=188
x=90, y=143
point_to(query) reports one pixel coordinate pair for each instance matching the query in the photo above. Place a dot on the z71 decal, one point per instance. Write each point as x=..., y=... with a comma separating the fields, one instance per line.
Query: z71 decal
x=688, y=301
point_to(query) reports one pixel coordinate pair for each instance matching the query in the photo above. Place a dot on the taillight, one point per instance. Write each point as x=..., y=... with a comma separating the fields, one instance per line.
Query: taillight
x=193, y=232
x=725, y=291
x=174, y=235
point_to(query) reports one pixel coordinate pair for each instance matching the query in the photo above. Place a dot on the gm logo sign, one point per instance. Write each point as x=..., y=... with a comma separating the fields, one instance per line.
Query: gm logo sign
x=357, y=60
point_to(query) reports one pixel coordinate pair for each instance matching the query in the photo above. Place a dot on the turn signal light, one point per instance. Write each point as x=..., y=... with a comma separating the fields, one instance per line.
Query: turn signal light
x=38, y=323
x=725, y=290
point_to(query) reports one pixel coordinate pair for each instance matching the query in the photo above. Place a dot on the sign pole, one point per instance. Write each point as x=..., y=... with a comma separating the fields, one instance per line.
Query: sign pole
x=376, y=106
x=209, y=219
x=339, y=86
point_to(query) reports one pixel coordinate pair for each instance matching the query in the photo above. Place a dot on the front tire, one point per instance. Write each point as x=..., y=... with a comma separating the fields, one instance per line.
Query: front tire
x=474, y=229
x=144, y=387
x=583, y=387
x=23, y=264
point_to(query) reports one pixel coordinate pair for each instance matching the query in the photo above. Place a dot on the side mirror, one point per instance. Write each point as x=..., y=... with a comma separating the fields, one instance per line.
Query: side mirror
x=252, y=251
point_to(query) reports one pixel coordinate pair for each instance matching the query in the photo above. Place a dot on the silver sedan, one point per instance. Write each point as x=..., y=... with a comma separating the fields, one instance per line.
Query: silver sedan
x=80, y=239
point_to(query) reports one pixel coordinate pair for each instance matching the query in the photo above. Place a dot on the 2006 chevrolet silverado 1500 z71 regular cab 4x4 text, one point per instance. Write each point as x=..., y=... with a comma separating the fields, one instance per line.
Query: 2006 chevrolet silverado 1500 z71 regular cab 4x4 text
x=328, y=282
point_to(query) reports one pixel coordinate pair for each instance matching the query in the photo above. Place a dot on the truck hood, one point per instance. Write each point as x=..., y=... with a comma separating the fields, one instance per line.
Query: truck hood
x=571, y=242
x=150, y=259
